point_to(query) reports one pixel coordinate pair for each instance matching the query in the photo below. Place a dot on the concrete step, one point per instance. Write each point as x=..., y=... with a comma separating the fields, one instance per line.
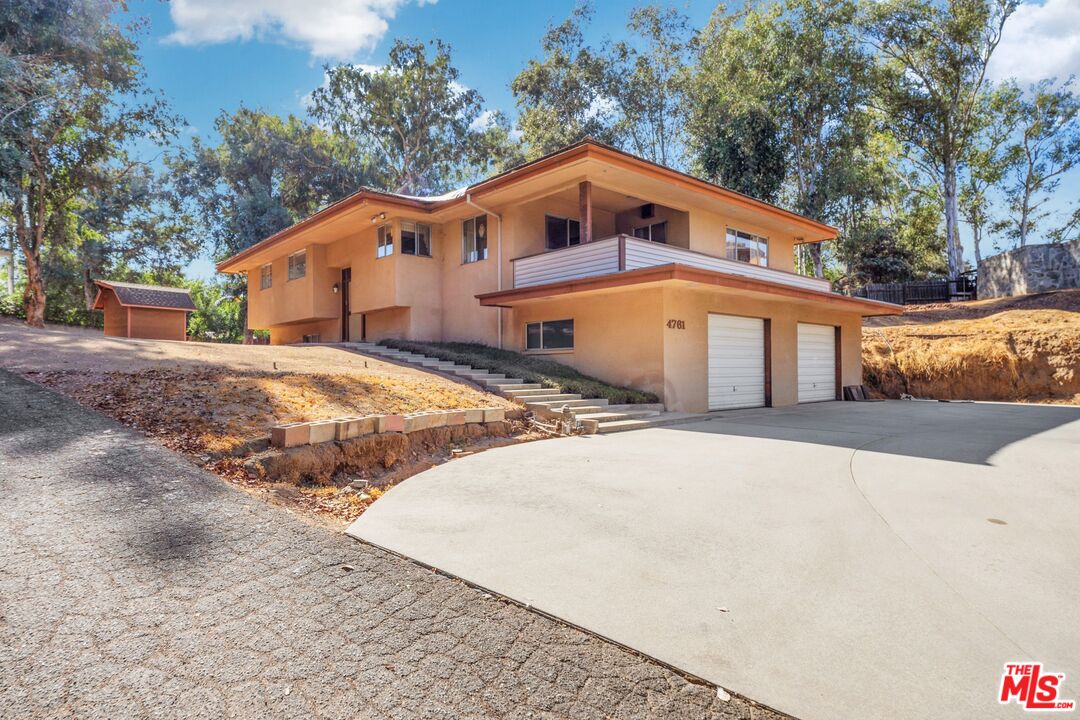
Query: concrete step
x=508, y=388
x=530, y=392
x=509, y=382
x=557, y=404
x=659, y=407
x=592, y=421
x=549, y=397
x=480, y=375
x=556, y=410
x=667, y=418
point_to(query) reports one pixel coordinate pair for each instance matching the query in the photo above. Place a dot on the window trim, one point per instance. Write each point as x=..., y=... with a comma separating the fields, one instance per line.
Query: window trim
x=384, y=230
x=416, y=237
x=543, y=350
x=302, y=275
x=266, y=276
x=567, y=220
x=749, y=236
x=464, y=246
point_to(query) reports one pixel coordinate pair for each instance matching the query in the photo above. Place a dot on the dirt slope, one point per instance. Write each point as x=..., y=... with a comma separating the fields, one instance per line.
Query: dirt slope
x=1024, y=349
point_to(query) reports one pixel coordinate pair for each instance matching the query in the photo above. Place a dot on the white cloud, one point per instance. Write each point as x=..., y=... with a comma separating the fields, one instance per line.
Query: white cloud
x=1039, y=41
x=334, y=29
x=483, y=121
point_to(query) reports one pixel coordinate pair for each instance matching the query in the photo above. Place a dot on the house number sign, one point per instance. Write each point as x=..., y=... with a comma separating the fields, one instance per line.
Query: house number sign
x=676, y=324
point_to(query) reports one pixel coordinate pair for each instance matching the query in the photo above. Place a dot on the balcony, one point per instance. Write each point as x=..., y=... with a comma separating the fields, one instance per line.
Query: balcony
x=623, y=252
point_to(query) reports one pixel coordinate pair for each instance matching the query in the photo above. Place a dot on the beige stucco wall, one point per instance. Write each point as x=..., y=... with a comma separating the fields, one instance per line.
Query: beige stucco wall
x=622, y=337
x=618, y=335
x=435, y=298
x=686, y=351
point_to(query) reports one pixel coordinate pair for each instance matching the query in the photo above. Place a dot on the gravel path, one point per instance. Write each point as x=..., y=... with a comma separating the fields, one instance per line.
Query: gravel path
x=133, y=584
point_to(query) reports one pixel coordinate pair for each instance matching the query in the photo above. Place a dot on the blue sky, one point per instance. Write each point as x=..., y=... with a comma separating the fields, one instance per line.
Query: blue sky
x=213, y=55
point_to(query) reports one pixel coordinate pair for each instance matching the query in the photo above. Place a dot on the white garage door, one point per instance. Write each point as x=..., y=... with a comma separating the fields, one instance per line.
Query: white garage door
x=736, y=362
x=817, y=362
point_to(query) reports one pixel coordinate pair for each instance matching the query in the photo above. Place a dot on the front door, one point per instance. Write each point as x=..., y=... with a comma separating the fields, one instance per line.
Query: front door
x=346, y=281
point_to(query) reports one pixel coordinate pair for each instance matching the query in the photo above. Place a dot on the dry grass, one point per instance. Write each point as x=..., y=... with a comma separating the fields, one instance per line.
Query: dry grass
x=219, y=410
x=1015, y=349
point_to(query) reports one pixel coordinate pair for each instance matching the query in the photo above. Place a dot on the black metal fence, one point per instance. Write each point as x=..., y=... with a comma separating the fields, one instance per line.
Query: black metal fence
x=921, y=291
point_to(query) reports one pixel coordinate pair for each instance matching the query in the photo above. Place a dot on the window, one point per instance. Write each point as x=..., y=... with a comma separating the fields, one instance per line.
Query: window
x=298, y=265
x=747, y=248
x=266, y=277
x=415, y=239
x=550, y=335
x=474, y=239
x=562, y=232
x=657, y=232
x=385, y=244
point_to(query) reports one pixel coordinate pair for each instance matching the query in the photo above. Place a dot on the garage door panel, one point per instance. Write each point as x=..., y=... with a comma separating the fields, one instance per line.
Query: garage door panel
x=736, y=372
x=817, y=362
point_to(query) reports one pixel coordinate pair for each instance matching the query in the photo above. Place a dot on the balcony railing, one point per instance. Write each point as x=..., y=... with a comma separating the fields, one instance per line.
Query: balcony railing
x=623, y=252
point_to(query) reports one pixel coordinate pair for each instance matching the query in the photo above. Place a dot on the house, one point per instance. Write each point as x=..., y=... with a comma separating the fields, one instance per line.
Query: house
x=143, y=311
x=629, y=271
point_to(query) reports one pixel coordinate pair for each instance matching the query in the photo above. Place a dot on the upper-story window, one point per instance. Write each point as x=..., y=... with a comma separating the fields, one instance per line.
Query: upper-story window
x=416, y=239
x=747, y=247
x=562, y=232
x=474, y=239
x=266, y=277
x=385, y=243
x=298, y=265
x=656, y=232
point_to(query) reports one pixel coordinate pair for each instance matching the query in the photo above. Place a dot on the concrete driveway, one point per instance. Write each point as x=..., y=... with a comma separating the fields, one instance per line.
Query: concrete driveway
x=840, y=560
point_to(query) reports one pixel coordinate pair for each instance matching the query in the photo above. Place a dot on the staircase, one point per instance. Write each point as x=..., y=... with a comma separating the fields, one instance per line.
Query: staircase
x=596, y=414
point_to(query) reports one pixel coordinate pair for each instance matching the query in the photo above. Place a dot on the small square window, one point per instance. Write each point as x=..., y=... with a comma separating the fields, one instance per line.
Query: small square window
x=266, y=277
x=550, y=335
x=298, y=265
x=385, y=243
x=416, y=239
x=748, y=248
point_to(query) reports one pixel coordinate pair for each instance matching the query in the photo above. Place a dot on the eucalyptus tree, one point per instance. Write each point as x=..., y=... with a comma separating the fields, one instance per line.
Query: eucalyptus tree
x=563, y=97
x=1048, y=147
x=934, y=55
x=414, y=119
x=801, y=63
x=987, y=160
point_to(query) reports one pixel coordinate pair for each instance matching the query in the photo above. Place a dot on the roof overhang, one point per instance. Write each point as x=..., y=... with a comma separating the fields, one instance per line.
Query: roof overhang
x=574, y=154
x=686, y=274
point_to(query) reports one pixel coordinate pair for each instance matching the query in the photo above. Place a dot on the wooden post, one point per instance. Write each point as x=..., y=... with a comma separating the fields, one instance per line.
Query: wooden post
x=838, y=350
x=585, y=208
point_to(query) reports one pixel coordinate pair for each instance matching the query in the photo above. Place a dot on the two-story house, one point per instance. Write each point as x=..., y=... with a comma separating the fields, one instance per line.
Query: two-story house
x=629, y=271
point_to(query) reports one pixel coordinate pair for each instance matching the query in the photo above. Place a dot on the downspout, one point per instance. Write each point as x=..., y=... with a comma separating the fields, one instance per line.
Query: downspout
x=498, y=257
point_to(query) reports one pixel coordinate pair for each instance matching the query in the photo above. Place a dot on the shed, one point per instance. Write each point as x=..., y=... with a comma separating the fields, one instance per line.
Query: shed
x=143, y=311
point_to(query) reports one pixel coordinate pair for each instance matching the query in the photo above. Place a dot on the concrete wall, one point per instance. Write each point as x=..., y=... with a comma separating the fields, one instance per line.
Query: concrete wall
x=1031, y=269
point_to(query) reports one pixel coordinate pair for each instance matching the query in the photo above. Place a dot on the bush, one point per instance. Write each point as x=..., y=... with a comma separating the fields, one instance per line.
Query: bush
x=529, y=368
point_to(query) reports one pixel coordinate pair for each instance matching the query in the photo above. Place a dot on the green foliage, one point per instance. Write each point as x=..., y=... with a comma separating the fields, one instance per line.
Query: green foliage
x=73, y=101
x=1048, y=147
x=530, y=368
x=743, y=152
x=561, y=98
x=932, y=73
x=414, y=120
x=219, y=316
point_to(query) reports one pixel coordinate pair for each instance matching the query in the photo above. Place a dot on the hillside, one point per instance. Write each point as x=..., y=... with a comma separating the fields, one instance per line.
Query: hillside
x=1024, y=349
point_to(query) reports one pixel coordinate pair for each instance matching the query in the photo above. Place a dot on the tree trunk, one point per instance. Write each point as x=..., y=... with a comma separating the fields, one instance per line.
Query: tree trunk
x=34, y=294
x=89, y=289
x=815, y=256
x=954, y=252
x=976, y=237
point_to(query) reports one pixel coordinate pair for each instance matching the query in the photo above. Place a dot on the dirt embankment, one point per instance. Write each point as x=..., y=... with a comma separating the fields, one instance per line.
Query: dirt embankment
x=1024, y=349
